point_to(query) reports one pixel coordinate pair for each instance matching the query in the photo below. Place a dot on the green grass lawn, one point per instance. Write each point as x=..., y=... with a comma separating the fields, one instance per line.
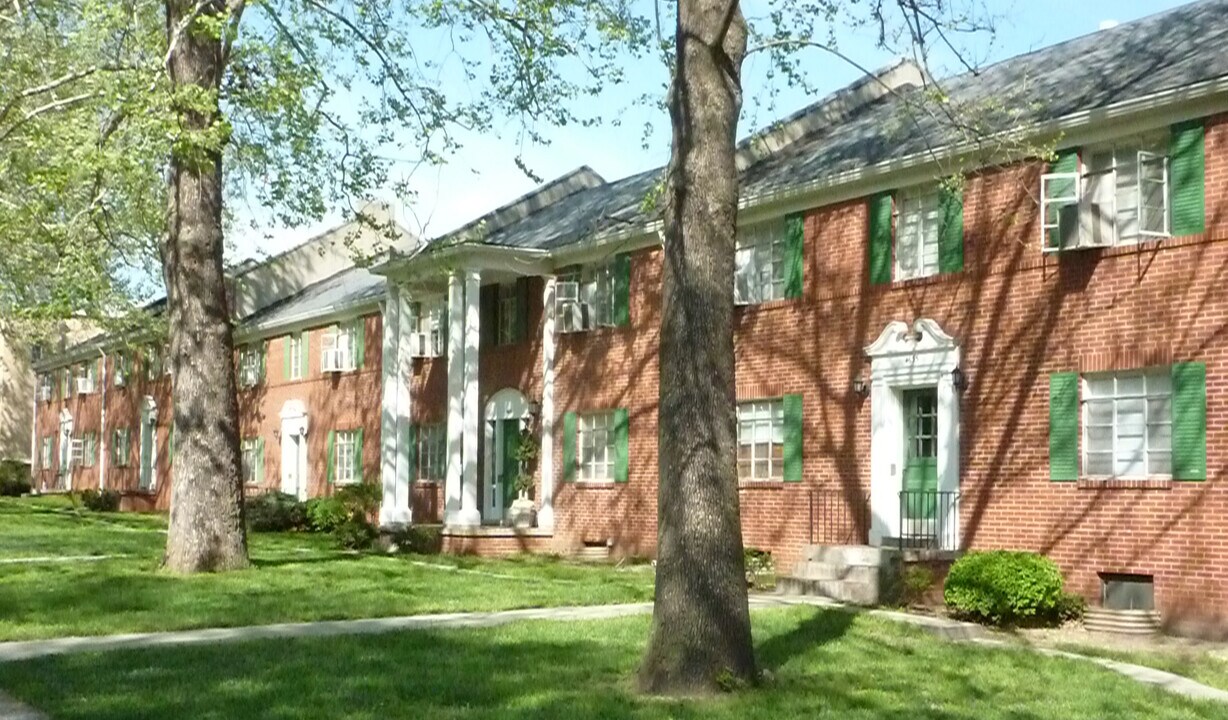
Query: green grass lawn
x=1194, y=663
x=822, y=664
x=295, y=577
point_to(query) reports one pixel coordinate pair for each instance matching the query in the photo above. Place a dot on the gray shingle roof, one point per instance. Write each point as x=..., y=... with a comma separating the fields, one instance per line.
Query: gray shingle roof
x=1164, y=51
x=347, y=288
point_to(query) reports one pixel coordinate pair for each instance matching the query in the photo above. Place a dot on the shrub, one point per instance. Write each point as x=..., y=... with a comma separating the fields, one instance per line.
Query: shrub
x=759, y=567
x=915, y=584
x=100, y=500
x=275, y=512
x=1004, y=587
x=419, y=539
x=325, y=514
x=356, y=534
x=1071, y=607
x=362, y=498
x=14, y=478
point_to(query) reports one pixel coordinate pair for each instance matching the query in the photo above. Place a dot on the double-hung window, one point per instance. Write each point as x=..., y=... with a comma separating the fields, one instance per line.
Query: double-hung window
x=1106, y=195
x=761, y=440
x=918, y=216
x=593, y=296
x=251, y=365
x=121, y=369
x=760, y=263
x=87, y=378
x=428, y=329
x=121, y=447
x=596, y=443
x=296, y=357
x=253, y=461
x=76, y=457
x=432, y=452
x=1128, y=424
x=347, y=454
x=153, y=364
x=508, y=314
x=45, y=390
x=340, y=348
x=47, y=453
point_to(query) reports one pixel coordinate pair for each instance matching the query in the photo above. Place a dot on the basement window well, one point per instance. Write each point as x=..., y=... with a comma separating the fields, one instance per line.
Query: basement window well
x=1119, y=591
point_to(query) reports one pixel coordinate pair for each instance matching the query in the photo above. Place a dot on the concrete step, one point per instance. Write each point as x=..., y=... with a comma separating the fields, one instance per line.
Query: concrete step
x=847, y=555
x=819, y=570
x=847, y=591
x=1122, y=622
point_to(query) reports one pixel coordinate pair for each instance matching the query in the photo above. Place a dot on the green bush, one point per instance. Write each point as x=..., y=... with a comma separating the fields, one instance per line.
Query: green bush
x=275, y=512
x=1004, y=587
x=1071, y=607
x=325, y=514
x=14, y=478
x=100, y=500
x=419, y=539
x=915, y=584
x=760, y=568
x=356, y=534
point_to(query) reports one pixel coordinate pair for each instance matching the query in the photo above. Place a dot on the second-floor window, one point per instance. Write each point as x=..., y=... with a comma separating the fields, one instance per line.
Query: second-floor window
x=509, y=315
x=251, y=365
x=86, y=378
x=45, y=390
x=759, y=264
x=428, y=327
x=432, y=452
x=153, y=364
x=296, y=356
x=1114, y=194
x=594, y=295
x=122, y=369
x=916, y=237
x=341, y=347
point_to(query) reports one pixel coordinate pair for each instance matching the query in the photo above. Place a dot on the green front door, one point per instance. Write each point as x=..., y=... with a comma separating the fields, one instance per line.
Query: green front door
x=510, y=432
x=920, y=496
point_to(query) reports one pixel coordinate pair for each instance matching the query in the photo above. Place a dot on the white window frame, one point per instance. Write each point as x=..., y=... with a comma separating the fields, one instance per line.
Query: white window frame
x=755, y=417
x=76, y=453
x=86, y=378
x=121, y=452
x=249, y=365
x=432, y=452
x=337, y=354
x=595, y=451
x=45, y=387
x=1153, y=398
x=250, y=460
x=585, y=297
x=918, y=217
x=294, y=346
x=428, y=329
x=1133, y=156
x=120, y=376
x=153, y=359
x=47, y=452
x=760, y=263
x=345, y=444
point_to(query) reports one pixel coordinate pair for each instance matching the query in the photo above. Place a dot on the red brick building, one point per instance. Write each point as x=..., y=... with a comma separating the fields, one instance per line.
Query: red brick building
x=942, y=341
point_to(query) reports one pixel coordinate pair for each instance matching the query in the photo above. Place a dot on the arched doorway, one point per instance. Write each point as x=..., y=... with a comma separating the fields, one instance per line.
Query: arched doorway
x=507, y=415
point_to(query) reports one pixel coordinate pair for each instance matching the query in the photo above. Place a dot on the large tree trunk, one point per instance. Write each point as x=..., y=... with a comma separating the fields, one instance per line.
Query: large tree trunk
x=206, y=525
x=701, y=639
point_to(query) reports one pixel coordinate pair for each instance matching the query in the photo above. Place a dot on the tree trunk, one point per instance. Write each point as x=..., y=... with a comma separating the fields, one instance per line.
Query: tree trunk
x=701, y=639
x=206, y=530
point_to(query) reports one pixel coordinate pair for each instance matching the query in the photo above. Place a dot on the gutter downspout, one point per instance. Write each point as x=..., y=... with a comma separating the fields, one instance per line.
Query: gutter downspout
x=102, y=424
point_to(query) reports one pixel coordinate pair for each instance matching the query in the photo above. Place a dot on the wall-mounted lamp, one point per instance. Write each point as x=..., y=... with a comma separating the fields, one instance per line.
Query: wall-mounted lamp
x=958, y=379
x=860, y=387
x=535, y=412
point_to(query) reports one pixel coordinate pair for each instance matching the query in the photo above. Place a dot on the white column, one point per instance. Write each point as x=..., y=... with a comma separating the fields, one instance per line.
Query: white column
x=948, y=459
x=389, y=404
x=405, y=366
x=456, y=389
x=470, y=514
x=545, y=510
x=886, y=460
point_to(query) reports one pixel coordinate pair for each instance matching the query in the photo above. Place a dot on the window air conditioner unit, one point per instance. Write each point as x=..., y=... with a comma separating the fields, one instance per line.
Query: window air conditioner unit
x=420, y=345
x=44, y=394
x=85, y=386
x=335, y=360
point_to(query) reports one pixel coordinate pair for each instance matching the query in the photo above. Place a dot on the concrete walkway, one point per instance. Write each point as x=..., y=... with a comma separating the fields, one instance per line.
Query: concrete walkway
x=10, y=709
x=942, y=627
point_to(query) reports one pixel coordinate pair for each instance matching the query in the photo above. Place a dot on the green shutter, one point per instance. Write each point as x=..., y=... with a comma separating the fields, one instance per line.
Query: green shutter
x=1064, y=426
x=304, y=350
x=331, y=456
x=286, y=344
x=621, y=442
x=569, y=447
x=880, y=209
x=260, y=461
x=1187, y=171
x=951, y=231
x=622, y=290
x=409, y=439
x=358, y=455
x=1189, y=421
x=793, y=437
x=1067, y=162
x=360, y=342
x=522, y=309
x=794, y=244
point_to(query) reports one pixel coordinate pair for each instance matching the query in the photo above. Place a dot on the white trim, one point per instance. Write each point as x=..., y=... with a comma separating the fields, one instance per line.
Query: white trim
x=902, y=358
x=390, y=401
x=470, y=513
x=294, y=425
x=456, y=405
x=545, y=510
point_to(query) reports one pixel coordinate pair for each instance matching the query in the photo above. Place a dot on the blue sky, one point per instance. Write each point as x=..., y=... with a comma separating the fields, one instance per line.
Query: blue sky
x=483, y=175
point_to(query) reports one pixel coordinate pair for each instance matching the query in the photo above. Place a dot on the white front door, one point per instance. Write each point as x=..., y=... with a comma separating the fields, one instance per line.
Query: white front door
x=293, y=462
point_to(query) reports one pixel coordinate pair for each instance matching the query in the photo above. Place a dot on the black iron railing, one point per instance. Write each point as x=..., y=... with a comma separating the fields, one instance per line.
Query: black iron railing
x=929, y=519
x=839, y=518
